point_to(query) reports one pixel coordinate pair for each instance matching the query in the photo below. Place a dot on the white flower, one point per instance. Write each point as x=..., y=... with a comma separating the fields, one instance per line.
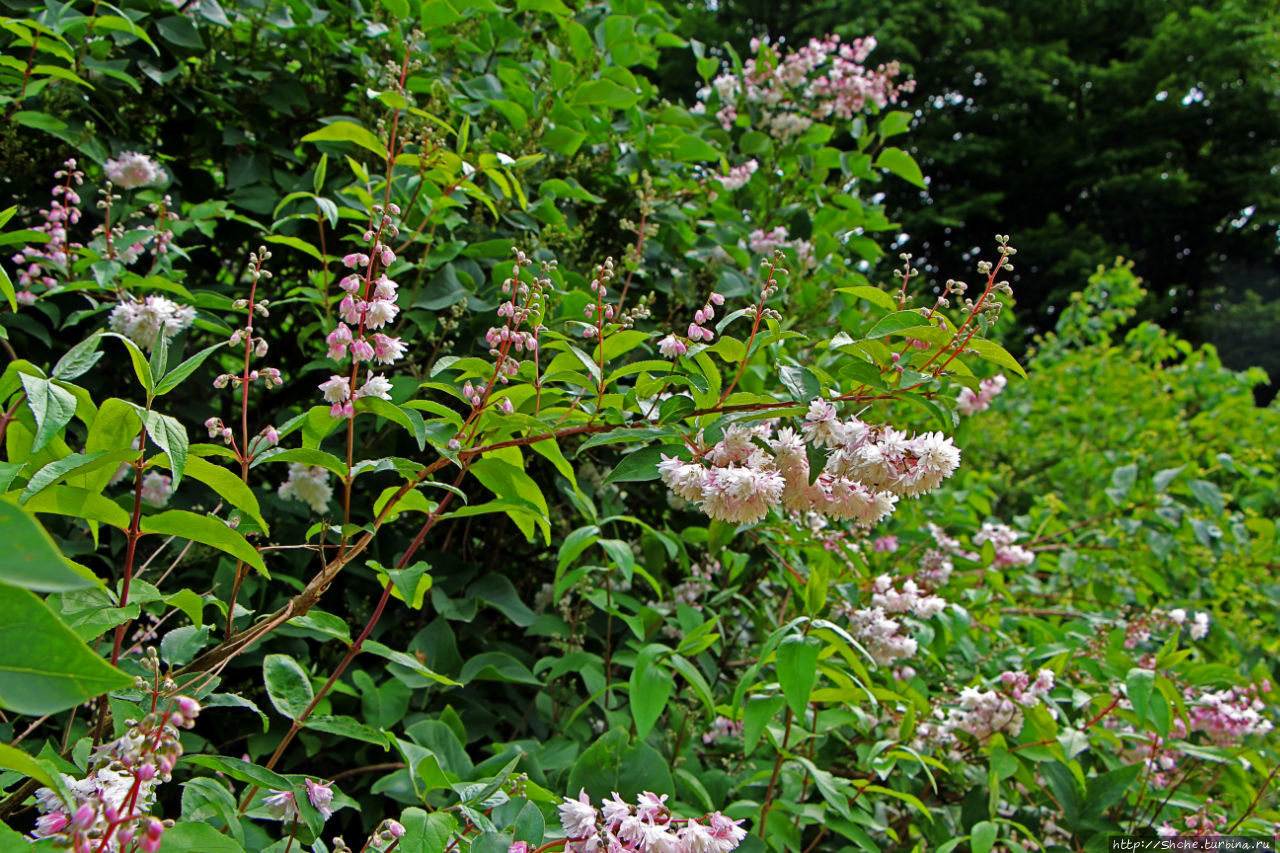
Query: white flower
x=131, y=170
x=578, y=817
x=337, y=389
x=1200, y=626
x=307, y=484
x=376, y=386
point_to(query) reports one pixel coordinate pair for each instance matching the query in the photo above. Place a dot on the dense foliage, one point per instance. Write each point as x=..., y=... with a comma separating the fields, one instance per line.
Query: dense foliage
x=418, y=431
x=1090, y=129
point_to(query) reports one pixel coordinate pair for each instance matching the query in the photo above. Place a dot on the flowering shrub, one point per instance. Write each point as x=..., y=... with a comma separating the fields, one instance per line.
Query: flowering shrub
x=556, y=457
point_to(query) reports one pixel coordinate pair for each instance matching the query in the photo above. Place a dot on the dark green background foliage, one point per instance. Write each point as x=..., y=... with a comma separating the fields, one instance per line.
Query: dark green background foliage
x=1065, y=123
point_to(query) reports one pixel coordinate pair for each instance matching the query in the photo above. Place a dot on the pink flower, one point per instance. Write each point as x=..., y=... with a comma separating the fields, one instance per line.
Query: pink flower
x=361, y=350
x=387, y=350
x=338, y=341
x=320, y=796
x=672, y=347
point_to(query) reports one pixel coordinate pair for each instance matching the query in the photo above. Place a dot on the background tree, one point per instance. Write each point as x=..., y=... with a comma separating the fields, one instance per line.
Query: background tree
x=1088, y=129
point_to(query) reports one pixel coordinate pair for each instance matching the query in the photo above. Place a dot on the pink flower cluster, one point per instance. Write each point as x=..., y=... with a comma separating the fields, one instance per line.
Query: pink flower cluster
x=867, y=470
x=969, y=403
x=739, y=175
x=722, y=727
x=385, y=837
x=790, y=91
x=131, y=170
x=1228, y=716
x=157, y=488
x=283, y=806
x=369, y=305
x=111, y=805
x=524, y=303
x=1004, y=537
x=767, y=242
x=39, y=263
x=983, y=713
x=646, y=827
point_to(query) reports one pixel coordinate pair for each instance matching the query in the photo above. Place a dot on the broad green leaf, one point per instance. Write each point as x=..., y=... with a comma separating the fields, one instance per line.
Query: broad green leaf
x=287, y=684
x=1139, y=684
x=225, y=484
x=983, y=836
x=874, y=295
x=901, y=164
x=348, y=131
x=141, y=366
x=78, y=503
x=79, y=359
x=205, y=530
x=993, y=352
x=797, y=669
x=170, y=436
x=44, y=771
x=651, y=686
x=186, y=837
x=174, y=377
x=44, y=666
x=894, y=323
x=52, y=407
x=31, y=560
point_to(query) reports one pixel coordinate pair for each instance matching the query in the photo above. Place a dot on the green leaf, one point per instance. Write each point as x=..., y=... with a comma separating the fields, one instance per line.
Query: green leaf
x=170, y=436
x=180, y=31
x=206, y=531
x=801, y=382
x=141, y=367
x=174, y=377
x=347, y=727
x=31, y=560
x=305, y=455
x=901, y=164
x=52, y=407
x=188, y=836
x=651, y=686
x=993, y=352
x=79, y=359
x=1207, y=494
x=410, y=585
x=348, y=131
x=41, y=770
x=982, y=836
x=294, y=243
x=893, y=323
x=1139, y=683
x=756, y=714
x=603, y=93
x=241, y=771
x=288, y=686
x=874, y=295
x=226, y=484
x=639, y=466
x=44, y=667
x=894, y=123
x=6, y=287
x=797, y=670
